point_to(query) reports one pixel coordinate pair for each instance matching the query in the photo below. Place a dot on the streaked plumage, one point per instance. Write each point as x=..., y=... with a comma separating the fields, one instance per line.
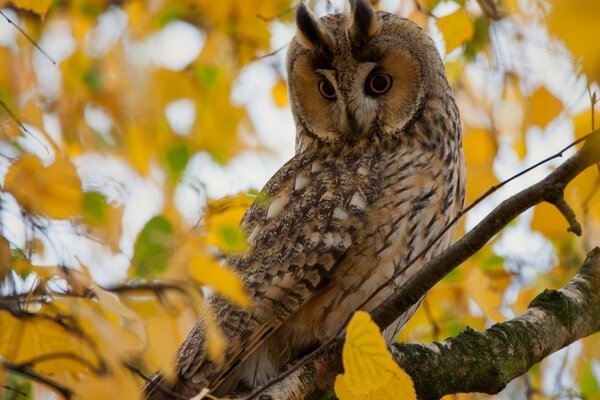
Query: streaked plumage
x=374, y=179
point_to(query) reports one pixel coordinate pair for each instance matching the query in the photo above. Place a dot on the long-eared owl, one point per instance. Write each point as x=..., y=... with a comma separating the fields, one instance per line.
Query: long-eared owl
x=378, y=173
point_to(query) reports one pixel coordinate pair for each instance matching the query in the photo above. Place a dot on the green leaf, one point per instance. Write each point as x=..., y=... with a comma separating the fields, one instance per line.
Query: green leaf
x=94, y=207
x=93, y=80
x=493, y=262
x=151, y=251
x=207, y=75
x=177, y=158
x=587, y=381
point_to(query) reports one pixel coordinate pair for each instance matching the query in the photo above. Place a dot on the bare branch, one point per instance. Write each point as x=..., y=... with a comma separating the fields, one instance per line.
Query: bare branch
x=29, y=38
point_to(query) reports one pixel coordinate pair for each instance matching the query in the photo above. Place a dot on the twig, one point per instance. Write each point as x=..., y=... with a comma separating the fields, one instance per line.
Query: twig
x=278, y=15
x=152, y=382
x=24, y=370
x=12, y=389
x=21, y=125
x=33, y=42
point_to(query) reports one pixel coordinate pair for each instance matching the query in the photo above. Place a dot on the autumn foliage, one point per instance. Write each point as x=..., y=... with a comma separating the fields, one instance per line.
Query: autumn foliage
x=109, y=241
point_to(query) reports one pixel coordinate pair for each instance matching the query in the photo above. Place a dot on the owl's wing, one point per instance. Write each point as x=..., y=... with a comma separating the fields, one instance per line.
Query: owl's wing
x=314, y=210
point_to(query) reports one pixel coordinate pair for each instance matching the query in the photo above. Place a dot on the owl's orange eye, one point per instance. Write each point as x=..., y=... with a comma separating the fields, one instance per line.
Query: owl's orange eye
x=326, y=89
x=378, y=84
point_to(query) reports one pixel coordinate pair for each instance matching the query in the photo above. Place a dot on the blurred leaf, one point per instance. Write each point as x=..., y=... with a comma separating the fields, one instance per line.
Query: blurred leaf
x=207, y=271
x=152, y=248
x=457, y=28
x=370, y=372
x=54, y=191
x=37, y=6
x=549, y=221
x=94, y=207
x=587, y=381
x=177, y=158
x=480, y=151
x=585, y=123
x=279, y=93
x=223, y=222
x=576, y=22
x=544, y=107
x=480, y=288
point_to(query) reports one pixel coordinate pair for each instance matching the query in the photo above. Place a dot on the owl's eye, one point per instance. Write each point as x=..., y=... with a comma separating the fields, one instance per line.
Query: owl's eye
x=326, y=89
x=378, y=84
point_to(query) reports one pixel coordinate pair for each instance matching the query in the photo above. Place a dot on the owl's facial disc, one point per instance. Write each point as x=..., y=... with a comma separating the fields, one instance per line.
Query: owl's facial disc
x=353, y=76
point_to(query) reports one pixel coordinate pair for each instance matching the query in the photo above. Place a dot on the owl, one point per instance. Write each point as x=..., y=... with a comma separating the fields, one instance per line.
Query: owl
x=378, y=173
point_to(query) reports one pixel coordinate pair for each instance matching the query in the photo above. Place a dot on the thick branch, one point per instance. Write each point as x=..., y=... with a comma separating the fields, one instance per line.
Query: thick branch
x=487, y=361
x=326, y=362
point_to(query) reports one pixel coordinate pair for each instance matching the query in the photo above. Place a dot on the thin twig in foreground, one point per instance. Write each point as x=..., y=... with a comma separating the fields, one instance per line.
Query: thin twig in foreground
x=33, y=42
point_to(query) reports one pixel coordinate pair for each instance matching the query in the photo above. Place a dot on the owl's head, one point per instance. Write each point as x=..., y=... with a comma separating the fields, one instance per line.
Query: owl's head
x=359, y=75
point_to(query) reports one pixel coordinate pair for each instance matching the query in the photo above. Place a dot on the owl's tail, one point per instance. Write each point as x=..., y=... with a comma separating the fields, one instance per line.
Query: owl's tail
x=390, y=333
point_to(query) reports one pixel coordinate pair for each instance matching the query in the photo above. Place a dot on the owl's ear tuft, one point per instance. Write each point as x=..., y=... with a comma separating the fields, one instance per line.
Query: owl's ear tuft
x=311, y=33
x=364, y=21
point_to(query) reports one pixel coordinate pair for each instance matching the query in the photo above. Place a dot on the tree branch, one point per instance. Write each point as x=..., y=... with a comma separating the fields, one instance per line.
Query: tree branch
x=315, y=373
x=487, y=361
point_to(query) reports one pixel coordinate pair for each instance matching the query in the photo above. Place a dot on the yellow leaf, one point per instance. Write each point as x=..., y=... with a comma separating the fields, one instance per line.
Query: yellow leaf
x=37, y=6
x=207, y=271
x=369, y=369
x=139, y=152
x=54, y=191
x=25, y=338
x=480, y=151
x=280, y=94
x=543, y=108
x=583, y=125
x=223, y=222
x=549, y=221
x=480, y=288
x=576, y=22
x=457, y=28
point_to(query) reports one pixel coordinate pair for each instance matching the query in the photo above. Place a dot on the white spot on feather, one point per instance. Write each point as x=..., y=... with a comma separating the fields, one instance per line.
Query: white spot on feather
x=316, y=166
x=254, y=233
x=362, y=171
x=358, y=201
x=301, y=181
x=276, y=206
x=340, y=214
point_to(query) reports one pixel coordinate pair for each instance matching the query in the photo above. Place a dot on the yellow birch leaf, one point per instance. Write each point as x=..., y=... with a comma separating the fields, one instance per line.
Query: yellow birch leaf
x=576, y=22
x=280, y=94
x=37, y=6
x=480, y=151
x=582, y=123
x=25, y=338
x=544, y=107
x=370, y=372
x=54, y=191
x=207, y=271
x=549, y=221
x=480, y=289
x=457, y=28
x=223, y=222
x=139, y=152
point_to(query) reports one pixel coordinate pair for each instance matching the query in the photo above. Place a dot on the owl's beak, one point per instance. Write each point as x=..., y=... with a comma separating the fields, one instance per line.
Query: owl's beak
x=354, y=127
